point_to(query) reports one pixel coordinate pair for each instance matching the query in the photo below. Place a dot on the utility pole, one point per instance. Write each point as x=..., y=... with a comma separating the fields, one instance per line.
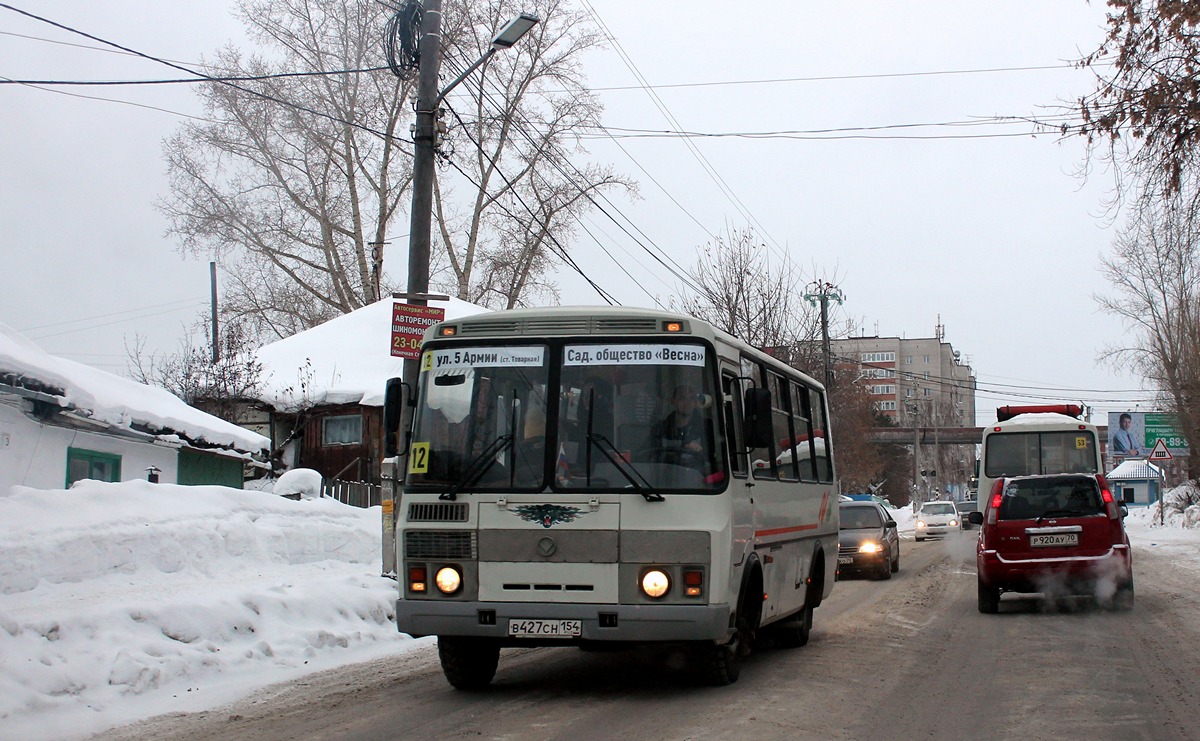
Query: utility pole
x=823, y=291
x=212, y=282
x=425, y=133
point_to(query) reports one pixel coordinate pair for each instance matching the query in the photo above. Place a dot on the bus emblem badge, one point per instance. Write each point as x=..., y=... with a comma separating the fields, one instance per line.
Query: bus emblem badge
x=547, y=515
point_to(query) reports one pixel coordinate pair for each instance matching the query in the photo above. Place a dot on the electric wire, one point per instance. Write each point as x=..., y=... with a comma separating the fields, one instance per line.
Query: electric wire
x=558, y=247
x=516, y=120
x=515, y=126
x=205, y=77
x=707, y=166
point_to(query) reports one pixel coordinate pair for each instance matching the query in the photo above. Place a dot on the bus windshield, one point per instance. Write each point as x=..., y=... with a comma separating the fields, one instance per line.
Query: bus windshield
x=628, y=416
x=638, y=416
x=1031, y=453
x=481, y=418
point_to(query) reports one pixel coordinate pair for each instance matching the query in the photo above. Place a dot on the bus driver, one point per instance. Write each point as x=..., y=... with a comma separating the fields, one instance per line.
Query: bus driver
x=683, y=436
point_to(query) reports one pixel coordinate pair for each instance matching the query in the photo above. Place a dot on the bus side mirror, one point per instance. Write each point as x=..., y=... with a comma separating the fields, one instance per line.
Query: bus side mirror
x=393, y=410
x=757, y=425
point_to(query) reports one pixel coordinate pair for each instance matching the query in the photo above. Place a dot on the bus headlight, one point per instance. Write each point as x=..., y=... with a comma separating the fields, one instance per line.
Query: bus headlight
x=655, y=583
x=448, y=580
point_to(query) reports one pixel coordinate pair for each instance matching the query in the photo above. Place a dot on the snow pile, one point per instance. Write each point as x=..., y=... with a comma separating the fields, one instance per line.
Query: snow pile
x=299, y=483
x=123, y=601
x=1182, y=509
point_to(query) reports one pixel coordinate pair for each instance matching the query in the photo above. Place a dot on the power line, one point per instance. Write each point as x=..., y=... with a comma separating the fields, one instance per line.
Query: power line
x=182, y=303
x=837, y=78
x=707, y=166
x=516, y=119
x=193, y=81
x=205, y=77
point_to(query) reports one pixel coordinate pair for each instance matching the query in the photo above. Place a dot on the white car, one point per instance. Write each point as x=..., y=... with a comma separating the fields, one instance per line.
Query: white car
x=936, y=518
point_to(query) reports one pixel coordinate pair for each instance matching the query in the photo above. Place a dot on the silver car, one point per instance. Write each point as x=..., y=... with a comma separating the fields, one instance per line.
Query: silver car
x=936, y=518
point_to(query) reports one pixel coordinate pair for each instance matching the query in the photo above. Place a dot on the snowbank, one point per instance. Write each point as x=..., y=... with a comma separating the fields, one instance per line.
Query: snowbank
x=122, y=601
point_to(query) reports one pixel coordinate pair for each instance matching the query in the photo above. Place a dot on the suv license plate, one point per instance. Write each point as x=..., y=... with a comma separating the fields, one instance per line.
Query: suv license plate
x=1058, y=539
x=545, y=628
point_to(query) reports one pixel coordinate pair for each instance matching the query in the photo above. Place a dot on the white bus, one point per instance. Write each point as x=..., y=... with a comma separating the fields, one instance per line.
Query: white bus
x=585, y=476
x=1027, y=440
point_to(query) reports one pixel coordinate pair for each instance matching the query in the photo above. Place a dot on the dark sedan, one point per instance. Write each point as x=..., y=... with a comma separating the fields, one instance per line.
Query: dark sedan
x=868, y=541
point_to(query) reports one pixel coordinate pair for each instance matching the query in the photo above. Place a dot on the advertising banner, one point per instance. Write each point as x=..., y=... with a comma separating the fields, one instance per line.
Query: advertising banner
x=1135, y=434
x=409, y=323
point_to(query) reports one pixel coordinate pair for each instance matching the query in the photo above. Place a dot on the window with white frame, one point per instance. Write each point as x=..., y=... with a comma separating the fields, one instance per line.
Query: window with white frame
x=883, y=389
x=908, y=360
x=925, y=359
x=885, y=406
x=879, y=357
x=343, y=429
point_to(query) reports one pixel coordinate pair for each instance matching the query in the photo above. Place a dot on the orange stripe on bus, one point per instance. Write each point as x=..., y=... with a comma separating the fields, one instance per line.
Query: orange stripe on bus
x=782, y=530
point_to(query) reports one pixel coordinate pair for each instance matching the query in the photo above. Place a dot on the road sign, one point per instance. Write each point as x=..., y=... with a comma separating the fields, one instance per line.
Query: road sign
x=409, y=323
x=1160, y=452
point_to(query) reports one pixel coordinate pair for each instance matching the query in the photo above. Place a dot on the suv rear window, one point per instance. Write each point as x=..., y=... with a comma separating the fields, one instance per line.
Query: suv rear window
x=1029, y=499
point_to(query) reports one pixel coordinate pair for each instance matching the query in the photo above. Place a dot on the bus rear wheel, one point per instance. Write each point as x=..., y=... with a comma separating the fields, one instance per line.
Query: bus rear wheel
x=468, y=663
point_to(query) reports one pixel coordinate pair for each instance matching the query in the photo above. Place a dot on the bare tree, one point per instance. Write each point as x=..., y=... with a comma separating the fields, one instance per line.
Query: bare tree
x=516, y=121
x=1145, y=111
x=221, y=388
x=293, y=179
x=1155, y=270
x=740, y=292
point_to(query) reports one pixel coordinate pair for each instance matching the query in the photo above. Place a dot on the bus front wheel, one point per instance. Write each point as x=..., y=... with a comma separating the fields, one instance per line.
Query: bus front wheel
x=468, y=663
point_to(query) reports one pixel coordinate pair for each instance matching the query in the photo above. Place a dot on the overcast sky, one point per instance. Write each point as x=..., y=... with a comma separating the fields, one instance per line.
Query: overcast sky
x=996, y=235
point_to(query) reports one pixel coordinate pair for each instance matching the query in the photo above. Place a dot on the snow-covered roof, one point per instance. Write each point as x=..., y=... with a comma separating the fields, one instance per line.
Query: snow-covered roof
x=1135, y=469
x=113, y=401
x=346, y=360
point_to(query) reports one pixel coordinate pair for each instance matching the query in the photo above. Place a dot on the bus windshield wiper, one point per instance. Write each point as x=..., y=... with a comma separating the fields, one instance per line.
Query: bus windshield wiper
x=614, y=456
x=478, y=466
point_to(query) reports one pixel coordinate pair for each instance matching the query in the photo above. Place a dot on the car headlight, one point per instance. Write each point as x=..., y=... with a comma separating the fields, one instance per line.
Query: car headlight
x=869, y=547
x=953, y=523
x=920, y=523
x=448, y=580
x=655, y=583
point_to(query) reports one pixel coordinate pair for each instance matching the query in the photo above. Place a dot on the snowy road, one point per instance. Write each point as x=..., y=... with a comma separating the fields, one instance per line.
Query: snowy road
x=905, y=658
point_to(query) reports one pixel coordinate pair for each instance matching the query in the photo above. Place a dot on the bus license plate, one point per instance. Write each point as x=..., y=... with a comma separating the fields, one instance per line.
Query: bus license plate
x=545, y=628
x=1057, y=539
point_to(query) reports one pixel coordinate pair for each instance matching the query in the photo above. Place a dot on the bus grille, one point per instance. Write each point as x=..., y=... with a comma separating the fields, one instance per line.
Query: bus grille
x=458, y=544
x=630, y=326
x=438, y=512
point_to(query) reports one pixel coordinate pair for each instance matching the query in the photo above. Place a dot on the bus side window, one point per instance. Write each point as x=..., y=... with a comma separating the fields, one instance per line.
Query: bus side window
x=820, y=422
x=781, y=422
x=732, y=391
x=762, y=460
x=802, y=422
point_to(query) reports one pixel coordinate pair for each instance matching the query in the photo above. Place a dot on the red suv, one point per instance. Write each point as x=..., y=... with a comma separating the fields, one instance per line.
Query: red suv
x=1055, y=534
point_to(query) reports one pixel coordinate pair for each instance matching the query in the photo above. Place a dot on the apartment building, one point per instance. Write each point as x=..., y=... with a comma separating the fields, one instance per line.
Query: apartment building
x=923, y=377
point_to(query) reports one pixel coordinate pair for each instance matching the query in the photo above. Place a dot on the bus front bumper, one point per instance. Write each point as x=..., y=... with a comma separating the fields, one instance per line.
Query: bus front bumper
x=605, y=623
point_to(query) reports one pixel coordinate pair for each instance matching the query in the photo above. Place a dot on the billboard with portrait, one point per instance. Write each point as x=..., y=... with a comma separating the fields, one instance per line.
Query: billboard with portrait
x=1134, y=434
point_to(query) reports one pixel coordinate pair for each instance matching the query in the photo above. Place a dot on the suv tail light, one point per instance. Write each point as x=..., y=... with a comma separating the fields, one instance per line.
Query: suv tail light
x=1110, y=502
x=994, y=504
